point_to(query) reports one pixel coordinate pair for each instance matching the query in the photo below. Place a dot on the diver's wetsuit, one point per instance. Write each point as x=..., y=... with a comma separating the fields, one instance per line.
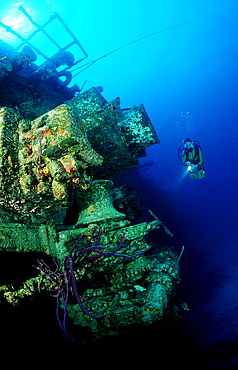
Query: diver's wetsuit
x=193, y=156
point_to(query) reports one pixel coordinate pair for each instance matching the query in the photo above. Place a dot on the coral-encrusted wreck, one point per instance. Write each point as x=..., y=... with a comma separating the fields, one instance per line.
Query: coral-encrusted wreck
x=55, y=161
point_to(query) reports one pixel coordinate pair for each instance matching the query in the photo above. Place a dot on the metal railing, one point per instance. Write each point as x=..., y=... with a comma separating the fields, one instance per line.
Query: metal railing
x=39, y=28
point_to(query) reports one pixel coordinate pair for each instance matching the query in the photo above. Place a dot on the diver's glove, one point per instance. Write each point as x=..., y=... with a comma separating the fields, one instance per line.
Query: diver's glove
x=190, y=166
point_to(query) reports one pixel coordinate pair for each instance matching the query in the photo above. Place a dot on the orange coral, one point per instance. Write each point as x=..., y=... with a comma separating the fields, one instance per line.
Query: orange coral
x=61, y=131
x=28, y=136
x=91, y=208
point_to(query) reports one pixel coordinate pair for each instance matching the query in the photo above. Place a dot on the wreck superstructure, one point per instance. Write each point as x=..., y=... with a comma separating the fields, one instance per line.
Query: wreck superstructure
x=58, y=150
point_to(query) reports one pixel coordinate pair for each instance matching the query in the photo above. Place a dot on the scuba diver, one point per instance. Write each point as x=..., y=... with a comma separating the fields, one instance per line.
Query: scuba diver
x=190, y=154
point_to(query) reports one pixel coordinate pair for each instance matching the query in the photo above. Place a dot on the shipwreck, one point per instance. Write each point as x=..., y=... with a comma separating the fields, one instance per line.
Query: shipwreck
x=59, y=148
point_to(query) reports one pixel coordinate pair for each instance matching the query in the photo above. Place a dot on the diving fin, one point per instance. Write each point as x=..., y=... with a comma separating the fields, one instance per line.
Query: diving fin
x=201, y=174
x=193, y=175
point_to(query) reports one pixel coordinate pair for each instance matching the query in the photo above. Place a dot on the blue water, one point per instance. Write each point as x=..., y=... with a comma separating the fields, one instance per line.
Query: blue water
x=192, y=68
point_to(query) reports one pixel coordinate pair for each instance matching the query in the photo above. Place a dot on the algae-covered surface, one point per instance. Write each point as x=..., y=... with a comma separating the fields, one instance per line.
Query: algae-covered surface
x=57, y=209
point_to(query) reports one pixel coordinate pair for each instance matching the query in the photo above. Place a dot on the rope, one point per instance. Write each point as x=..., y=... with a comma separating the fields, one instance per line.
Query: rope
x=87, y=65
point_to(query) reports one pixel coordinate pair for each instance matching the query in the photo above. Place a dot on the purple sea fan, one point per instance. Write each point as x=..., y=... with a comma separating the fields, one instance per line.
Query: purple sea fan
x=66, y=277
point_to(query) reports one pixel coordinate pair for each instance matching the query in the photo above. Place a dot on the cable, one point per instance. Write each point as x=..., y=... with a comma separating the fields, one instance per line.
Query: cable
x=87, y=65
